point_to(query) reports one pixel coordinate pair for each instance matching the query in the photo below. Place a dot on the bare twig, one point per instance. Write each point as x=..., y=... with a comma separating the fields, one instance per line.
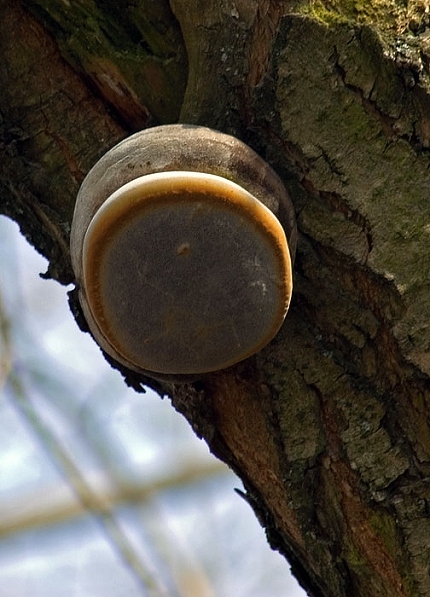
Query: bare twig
x=5, y=344
x=99, y=507
x=56, y=504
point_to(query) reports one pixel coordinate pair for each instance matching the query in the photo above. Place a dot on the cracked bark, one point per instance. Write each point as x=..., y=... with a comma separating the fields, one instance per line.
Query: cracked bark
x=329, y=425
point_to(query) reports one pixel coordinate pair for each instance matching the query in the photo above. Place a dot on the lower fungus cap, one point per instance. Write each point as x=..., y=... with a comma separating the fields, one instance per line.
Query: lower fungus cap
x=185, y=273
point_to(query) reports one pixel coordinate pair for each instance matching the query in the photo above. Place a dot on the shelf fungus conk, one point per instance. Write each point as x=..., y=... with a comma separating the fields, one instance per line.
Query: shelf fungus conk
x=182, y=242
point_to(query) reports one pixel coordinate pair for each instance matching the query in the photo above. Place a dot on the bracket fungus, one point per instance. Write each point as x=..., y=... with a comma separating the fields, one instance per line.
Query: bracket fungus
x=182, y=242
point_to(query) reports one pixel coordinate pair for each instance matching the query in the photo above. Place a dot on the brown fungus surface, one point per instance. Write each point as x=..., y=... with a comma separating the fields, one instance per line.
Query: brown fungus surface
x=182, y=272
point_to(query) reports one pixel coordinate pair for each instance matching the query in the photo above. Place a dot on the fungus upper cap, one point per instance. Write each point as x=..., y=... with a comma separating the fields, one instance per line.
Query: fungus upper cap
x=185, y=273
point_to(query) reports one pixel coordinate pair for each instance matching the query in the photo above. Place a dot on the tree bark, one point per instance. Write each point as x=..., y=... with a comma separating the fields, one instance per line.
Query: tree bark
x=328, y=426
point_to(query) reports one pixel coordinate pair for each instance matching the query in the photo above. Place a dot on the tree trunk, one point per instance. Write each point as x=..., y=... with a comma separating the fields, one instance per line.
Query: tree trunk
x=328, y=426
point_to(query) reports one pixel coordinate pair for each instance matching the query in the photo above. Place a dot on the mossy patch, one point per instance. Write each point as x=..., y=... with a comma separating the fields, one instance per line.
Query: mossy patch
x=387, y=15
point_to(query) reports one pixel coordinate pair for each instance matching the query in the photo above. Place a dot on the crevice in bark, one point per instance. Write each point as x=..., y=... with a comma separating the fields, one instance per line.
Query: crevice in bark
x=133, y=56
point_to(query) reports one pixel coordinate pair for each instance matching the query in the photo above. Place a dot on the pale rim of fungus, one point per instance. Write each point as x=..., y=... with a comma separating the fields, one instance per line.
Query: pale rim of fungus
x=164, y=189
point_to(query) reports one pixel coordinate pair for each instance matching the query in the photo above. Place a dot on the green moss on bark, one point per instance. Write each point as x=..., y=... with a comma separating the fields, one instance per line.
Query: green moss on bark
x=392, y=16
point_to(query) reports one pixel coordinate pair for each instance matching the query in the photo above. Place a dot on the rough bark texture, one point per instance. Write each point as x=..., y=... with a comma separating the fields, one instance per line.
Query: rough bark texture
x=329, y=425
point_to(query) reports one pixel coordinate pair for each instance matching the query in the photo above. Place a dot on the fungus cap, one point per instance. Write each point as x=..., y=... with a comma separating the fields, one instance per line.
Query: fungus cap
x=186, y=273
x=180, y=272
